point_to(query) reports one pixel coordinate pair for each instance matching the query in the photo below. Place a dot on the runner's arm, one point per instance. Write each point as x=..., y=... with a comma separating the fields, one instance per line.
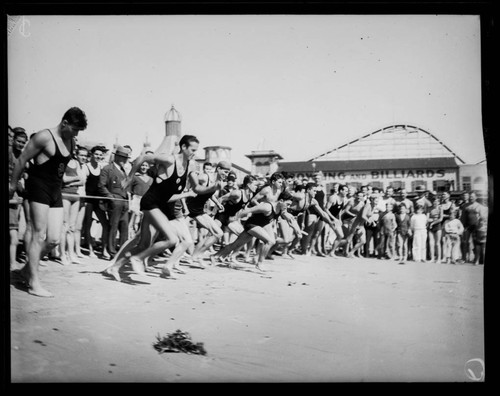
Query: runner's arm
x=322, y=213
x=260, y=195
x=259, y=208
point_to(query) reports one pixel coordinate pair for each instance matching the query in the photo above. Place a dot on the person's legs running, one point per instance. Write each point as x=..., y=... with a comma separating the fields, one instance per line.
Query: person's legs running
x=161, y=223
x=214, y=234
x=185, y=242
x=267, y=241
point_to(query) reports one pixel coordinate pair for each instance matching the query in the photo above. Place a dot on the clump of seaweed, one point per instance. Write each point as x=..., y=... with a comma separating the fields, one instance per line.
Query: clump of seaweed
x=178, y=341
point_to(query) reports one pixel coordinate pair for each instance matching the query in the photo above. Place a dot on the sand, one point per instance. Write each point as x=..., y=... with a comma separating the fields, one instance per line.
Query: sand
x=311, y=319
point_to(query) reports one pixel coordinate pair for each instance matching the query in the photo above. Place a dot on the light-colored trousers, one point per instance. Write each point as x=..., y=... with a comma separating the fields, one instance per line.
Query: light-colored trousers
x=419, y=245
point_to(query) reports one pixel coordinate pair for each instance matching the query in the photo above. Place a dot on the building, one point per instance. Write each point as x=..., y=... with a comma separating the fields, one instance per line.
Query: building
x=264, y=162
x=214, y=154
x=400, y=156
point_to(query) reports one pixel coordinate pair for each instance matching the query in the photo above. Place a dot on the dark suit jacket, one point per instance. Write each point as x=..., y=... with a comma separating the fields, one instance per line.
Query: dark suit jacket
x=110, y=182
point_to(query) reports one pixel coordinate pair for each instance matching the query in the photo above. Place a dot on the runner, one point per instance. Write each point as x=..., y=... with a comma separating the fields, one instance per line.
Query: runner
x=233, y=202
x=334, y=208
x=205, y=190
x=173, y=169
x=257, y=226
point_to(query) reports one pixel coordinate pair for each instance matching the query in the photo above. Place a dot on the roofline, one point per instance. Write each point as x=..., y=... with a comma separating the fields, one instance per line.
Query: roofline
x=383, y=129
x=263, y=155
x=356, y=165
x=215, y=146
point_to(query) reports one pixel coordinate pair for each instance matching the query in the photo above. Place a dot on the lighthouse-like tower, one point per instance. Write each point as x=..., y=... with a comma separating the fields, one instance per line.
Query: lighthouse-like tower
x=173, y=122
x=173, y=133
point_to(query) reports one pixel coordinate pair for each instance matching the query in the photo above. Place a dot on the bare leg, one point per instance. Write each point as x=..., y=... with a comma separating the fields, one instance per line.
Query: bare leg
x=215, y=233
x=267, y=241
x=47, y=224
x=182, y=230
x=78, y=230
x=14, y=242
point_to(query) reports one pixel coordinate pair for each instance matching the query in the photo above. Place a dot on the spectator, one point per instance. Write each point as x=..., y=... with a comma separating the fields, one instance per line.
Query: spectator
x=418, y=227
x=141, y=182
x=472, y=213
x=479, y=238
x=422, y=199
x=372, y=227
x=435, y=230
x=388, y=227
x=110, y=186
x=71, y=208
x=92, y=205
x=453, y=229
x=405, y=200
x=403, y=232
x=82, y=157
x=388, y=197
x=19, y=139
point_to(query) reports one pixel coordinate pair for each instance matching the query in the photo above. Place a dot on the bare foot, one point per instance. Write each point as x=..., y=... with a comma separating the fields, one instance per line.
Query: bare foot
x=259, y=268
x=113, y=271
x=75, y=260
x=234, y=264
x=63, y=260
x=137, y=265
x=167, y=274
x=39, y=292
x=178, y=269
x=198, y=263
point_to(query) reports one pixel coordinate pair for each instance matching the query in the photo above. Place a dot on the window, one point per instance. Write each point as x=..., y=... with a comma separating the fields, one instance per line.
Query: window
x=356, y=185
x=396, y=185
x=377, y=184
x=416, y=183
x=466, y=183
x=440, y=185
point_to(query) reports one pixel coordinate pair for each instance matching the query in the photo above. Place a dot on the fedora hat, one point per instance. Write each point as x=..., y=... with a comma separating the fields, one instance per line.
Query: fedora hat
x=122, y=151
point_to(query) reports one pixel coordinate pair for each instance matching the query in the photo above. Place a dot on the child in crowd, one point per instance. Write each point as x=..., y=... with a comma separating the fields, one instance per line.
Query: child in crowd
x=418, y=227
x=388, y=227
x=453, y=230
x=479, y=238
x=403, y=232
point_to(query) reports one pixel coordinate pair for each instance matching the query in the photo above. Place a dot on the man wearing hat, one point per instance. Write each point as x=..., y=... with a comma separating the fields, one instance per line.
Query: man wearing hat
x=422, y=199
x=116, y=204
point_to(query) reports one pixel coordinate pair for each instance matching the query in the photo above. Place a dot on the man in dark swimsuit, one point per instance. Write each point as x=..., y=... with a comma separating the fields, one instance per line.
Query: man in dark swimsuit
x=51, y=151
x=169, y=182
x=200, y=183
x=262, y=215
x=334, y=208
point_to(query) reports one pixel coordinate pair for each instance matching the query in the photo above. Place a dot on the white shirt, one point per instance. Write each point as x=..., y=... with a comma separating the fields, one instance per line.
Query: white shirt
x=418, y=221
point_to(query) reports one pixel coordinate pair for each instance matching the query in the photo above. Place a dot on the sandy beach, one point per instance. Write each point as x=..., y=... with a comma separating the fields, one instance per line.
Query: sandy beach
x=311, y=319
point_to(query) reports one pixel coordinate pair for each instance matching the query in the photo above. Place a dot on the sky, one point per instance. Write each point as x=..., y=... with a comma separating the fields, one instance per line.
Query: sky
x=300, y=85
